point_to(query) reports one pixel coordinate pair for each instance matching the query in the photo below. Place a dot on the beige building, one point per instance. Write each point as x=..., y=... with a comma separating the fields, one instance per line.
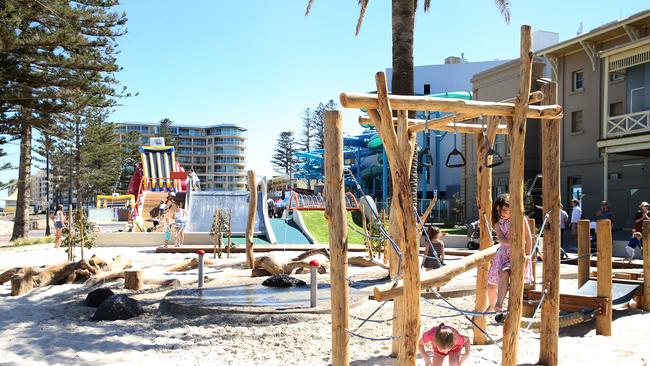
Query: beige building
x=604, y=86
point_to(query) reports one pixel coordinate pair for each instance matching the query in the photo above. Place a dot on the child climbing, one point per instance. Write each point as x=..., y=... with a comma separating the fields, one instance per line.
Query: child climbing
x=446, y=341
x=499, y=274
x=436, y=245
x=630, y=249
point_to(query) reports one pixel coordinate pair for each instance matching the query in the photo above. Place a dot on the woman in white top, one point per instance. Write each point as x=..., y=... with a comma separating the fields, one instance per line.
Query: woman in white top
x=180, y=220
x=59, y=223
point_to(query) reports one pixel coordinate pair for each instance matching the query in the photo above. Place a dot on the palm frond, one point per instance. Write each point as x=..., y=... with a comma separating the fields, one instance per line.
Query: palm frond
x=309, y=4
x=504, y=9
x=363, y=5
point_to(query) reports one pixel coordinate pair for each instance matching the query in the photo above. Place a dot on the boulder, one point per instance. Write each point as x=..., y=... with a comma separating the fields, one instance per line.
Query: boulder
x=118, y=307
x=283, y=281
x=96, y=297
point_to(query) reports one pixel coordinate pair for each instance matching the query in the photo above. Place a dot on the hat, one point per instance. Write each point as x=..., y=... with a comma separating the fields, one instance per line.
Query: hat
x=644, y=204
x=575, y=200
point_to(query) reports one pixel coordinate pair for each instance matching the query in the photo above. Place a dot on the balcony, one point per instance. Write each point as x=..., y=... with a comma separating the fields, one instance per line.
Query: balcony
x=628, y=124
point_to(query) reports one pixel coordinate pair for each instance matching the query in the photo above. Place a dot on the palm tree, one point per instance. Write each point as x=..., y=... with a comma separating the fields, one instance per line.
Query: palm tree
x=403, y=22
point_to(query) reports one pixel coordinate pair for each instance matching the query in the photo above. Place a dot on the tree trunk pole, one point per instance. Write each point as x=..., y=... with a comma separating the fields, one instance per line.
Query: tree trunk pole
x=584, y=249
x=21, y=219
x=70, y=233
x=229, y=230
x=484, y=200
x=250, y=222
x=646, y=265
x=517, y=156
x=338, y=236
x=47, y=184
x=550, y=317
x=604, y=276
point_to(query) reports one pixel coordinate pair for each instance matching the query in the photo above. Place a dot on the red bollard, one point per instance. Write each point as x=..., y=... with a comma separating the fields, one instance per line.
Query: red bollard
x=201, y=253
x=313, y=267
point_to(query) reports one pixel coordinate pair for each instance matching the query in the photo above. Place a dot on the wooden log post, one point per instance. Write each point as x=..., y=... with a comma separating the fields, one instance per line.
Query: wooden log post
x=400, y=147
x=484, y=201
x=584, y=249
x=70, y=234
x=338, y=236
x=604, y=277
x=517, y=158
x=229, y=231
x=250, y=221
x=133, y=279
x=646, y=265
x=534, y=235
x=550, y=317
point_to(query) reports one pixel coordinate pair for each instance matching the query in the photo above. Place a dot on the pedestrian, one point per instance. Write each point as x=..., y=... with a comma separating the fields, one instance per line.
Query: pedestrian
x=180, y=221
x=641, y=215
x=59, y=223
x=564, y=220
x=576, y=215
x=195, y=182
x=605, y=212
x=630, y=249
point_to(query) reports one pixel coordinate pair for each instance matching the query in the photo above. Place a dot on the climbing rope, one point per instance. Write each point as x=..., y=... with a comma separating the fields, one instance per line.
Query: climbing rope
x=539, y=306
x=469, y=312
x=576, y=258
x=539, y=236
x=381, y=226
x=366, y=235
x=371, y=338
x=371, y=320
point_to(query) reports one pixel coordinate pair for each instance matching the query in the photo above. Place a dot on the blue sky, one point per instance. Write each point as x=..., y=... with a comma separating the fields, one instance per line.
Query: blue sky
x=260, y=63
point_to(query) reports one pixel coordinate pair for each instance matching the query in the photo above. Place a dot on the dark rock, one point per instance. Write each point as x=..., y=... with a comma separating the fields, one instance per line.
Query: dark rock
x=118, y=307
x=96, y=297
x=283, y=280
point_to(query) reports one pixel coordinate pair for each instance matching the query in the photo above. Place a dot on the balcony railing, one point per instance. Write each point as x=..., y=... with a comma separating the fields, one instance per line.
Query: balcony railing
x=627, y=124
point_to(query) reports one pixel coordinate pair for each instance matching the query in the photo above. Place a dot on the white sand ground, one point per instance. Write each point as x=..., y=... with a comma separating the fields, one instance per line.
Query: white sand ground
x=49, y=326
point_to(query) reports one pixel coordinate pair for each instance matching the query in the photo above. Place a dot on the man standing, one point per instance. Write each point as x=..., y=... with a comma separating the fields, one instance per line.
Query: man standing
x=564, y=219
x=576, y=215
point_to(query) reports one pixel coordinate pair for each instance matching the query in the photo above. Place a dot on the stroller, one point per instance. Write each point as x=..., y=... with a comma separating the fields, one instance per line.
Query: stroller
x=474, y=235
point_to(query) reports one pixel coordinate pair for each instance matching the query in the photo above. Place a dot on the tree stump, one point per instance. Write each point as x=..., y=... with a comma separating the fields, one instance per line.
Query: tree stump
x=133, y=279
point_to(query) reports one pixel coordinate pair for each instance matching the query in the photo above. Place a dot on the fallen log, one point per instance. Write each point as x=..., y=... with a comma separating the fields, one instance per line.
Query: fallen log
x=104, y=277
x=438, y=277
x=313, y=252
x=6, y=275
x=22, y=283
x=189, y=264
x=365, y=262
x=171, y=282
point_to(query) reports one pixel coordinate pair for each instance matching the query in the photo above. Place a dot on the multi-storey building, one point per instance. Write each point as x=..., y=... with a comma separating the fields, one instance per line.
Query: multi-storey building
x=603, y=81
x=217, y=153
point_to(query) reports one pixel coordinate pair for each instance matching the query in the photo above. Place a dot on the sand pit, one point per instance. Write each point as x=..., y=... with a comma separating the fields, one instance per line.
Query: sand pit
x=50, y=326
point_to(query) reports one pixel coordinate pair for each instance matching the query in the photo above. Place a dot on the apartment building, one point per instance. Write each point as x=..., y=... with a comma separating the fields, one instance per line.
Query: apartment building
x=217, y=153
x=604, y=86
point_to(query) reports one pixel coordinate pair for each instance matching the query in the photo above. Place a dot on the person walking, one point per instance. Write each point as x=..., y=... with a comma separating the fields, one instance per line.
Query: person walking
x=576, y=215
x=641, y=215
x=59, y=223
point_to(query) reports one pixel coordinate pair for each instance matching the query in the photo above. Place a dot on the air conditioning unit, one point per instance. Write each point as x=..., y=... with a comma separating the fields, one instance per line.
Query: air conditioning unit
x=156, y=141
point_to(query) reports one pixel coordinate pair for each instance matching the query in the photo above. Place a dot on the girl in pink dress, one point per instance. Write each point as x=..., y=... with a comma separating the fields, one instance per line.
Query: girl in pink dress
x=445, y=341
x=499, y=273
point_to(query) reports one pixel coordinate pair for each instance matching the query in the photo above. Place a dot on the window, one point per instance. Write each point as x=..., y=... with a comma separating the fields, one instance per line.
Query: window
x=576, y=121
x=578, y=81
x=616, y=109
x=427, y=89
x=617, y=75
x=637, y=99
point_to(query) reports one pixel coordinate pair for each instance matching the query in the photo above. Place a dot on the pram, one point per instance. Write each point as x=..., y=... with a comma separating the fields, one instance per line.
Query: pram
x=474, y=235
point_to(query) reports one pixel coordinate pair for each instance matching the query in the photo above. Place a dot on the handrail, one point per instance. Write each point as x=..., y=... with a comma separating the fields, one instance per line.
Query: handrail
x=625, y=124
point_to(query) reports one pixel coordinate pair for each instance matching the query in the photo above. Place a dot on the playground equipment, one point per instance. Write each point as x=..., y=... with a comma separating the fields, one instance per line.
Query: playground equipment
x=399, y=145
x=598, y=293
x=123, y=200
x=310, y=202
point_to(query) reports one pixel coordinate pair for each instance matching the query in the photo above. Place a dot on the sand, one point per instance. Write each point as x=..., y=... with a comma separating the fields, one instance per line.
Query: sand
x=49, y=325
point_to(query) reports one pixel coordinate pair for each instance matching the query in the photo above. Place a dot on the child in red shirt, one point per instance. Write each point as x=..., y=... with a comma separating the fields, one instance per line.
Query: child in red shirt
x=446, y=341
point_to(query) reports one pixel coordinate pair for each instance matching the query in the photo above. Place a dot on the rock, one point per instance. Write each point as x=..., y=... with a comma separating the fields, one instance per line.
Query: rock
x=118, y=307
x=96, y=297
x=283, y=281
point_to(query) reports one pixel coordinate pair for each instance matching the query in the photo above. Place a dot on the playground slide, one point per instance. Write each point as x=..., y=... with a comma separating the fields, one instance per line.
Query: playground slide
x=149, y=208
x=203, y=203
x=288, y=229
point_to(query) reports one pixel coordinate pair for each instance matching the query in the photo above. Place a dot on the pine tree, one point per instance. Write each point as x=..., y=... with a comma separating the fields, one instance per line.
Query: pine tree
x=308, y=132
x=319, y=122
x=166, y=131
x=101, y=158
x=283, y=159
x=55, y=59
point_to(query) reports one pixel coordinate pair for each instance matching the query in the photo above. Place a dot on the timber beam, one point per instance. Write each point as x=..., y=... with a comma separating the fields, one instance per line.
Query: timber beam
x=474, y=107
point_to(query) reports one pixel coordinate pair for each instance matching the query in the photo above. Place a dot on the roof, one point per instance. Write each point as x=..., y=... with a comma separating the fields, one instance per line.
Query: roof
x=605, y=32
x=141, y=123
x=501, y=67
